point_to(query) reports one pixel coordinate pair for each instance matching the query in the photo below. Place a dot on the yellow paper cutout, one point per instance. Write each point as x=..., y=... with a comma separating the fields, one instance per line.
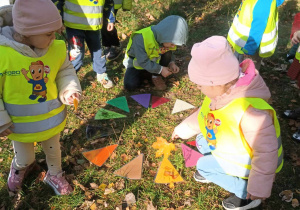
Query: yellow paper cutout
x=167, y=173
x=163, y=147
x=75, y=102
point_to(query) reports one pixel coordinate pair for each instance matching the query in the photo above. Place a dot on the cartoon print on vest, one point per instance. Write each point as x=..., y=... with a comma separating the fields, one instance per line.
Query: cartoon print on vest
x=211, y=125
x=94, y=1
x=37, y=70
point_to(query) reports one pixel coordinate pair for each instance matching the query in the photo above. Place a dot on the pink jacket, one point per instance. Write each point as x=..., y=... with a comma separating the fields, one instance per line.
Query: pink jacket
x=258, y=129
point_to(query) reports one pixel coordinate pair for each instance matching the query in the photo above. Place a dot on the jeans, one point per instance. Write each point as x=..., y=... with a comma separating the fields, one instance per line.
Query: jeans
x=76, y=48
x=210, y=169
x=134, y=77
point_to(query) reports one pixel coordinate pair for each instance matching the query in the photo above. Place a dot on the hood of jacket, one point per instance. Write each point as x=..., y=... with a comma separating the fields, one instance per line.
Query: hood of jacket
x=6, y=35
x=173, y=29
x=256, y=88
x=279, y=2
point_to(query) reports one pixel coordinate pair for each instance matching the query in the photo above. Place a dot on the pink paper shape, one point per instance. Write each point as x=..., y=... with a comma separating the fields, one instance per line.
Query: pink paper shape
x=190, y=156
x=143, y=99
x=156, y=101
x=192, y=143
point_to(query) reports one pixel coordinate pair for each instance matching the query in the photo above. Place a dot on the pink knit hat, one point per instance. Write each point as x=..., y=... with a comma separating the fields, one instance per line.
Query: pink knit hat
x=35, y=17
x=213, y=62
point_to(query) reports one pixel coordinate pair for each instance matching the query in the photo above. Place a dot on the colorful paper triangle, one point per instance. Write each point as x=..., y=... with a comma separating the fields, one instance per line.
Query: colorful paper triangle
x=181, y=105
x=104, y=114
x=143, y=99
x=190, y=156
x=167, y=173
x=156, y=101
x=120, y=103
x=192, y=143
x=99, y=156
x=133, y=169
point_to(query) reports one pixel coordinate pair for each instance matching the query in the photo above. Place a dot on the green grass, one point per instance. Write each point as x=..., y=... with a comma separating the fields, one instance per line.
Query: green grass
x=142, y=126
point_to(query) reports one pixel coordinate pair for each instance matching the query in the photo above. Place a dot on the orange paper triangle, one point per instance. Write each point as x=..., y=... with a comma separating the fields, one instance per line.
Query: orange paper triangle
x=133, y=169
x=167, y=173
x=99, y=156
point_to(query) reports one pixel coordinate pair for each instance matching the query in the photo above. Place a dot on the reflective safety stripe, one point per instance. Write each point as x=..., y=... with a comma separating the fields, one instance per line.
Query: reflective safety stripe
x=118, y=1
x=82, y=20
x=234, y=170
x=242, y=29
x=245, y=30
x=271, y=35
x=39, y=126
x=36, y=118
x=235, y=38
x=32, y=109
x=83, y=9
x=269, y=47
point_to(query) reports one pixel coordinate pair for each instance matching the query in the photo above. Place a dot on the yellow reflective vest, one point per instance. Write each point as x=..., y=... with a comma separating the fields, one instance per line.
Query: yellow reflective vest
x=29, y=92
x=151, y=46
x=240, y=29
x=221, y=128
x=84, y=14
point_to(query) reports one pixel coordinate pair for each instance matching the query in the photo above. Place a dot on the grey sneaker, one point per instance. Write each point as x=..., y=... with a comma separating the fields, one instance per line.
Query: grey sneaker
x=114, y=53
x=104, y=80
x=16, y=177
x=233, y=202
x=58, y=183
x=199, y=178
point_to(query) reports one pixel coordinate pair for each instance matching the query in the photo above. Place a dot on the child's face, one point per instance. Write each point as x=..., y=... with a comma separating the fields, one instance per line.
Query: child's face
x=40, y=41
x=169, y=45
x=212, y=91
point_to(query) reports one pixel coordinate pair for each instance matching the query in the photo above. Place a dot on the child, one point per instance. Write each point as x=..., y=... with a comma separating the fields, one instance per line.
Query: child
x=238, y=131
x=83, y=20
x=254, y=31
x=34, y=89
x=150, y=50
x=110, y=40
x=294, y=72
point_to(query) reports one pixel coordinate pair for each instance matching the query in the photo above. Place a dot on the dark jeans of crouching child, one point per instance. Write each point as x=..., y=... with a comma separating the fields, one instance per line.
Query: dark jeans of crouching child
x=134, y=77
x=109, y=38
x=76, y=48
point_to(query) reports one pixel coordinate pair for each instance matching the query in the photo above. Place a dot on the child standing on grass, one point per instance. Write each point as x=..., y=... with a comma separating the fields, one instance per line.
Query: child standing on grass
x=237, y=130
x=254, y=31
x=110, y=39
x=36, y=81
x=149, y=52
x=294, y=72
x=83, y=20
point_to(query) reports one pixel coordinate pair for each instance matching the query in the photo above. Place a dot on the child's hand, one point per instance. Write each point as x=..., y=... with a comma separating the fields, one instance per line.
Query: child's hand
x=110, y=26
x=70, y=99
x=173, y=67
x=7, y=131
x=296, y=37
x=252, y=197
x=174, y=135
x=165, y=72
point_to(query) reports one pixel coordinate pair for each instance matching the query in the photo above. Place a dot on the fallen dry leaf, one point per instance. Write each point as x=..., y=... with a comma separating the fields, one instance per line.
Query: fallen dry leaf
x=40, y=177
x=124, y=36
x=94, y=186
x=108, y=191
x=130, y=198
x=287, y=195
x=149, y=16
x=150, y=206
x=295, y=203
x=120, y=184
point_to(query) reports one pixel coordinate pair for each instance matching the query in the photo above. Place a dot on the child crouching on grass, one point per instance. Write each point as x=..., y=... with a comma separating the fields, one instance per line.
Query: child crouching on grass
x=237, y=130
x=36, y=81
x=149, y=52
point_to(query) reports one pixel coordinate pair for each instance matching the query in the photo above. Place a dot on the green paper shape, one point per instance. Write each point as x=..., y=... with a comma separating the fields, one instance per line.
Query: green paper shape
x=120, y=103
x=104, y=114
